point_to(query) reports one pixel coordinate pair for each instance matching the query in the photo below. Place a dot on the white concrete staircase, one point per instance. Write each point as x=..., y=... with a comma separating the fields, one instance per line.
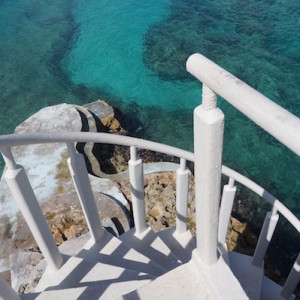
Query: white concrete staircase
x=128, y=267
x=146, y=266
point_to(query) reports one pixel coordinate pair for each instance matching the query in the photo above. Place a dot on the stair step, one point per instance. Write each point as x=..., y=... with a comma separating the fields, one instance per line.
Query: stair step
x=249, y=276
x=123, y=282
x=151, y=245
x=115, y=252
x=181, y=244
x=110, y=257
x=271, y=290
x=183, y=282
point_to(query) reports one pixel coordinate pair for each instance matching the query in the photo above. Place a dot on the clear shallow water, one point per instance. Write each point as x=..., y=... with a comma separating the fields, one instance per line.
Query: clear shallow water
x=133, y=53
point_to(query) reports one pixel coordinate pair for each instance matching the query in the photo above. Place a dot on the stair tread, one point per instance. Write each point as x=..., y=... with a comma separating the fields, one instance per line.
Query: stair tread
x=182, y=282
x=151, y=245
x=181, y=244
x=116, y=252
x=271, y=290
x=110, y=252
x=249, y=276
x=106, y=289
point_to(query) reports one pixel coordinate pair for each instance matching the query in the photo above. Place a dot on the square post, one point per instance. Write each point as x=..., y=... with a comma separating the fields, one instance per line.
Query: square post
x=208, y=146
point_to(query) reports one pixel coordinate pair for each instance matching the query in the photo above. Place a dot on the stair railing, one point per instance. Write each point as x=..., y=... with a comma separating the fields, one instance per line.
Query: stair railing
x=208, y=141
x=28, y=204
x=21, y=190
x=268, y=227
x=84, y=191
x=136, y=177
x=182, y=192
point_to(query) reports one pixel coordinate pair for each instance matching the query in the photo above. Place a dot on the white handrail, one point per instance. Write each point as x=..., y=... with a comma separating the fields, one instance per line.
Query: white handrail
x=277, y=121
x=13, y=140
x=264, y=194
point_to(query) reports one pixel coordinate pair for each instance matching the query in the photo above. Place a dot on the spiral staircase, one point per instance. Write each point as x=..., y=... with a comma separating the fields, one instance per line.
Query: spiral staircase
x=171, y=264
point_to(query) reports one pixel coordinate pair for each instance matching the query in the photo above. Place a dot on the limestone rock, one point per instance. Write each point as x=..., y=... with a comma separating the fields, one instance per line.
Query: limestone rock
x=160, y=198
x=240, y=237
x=105, y=113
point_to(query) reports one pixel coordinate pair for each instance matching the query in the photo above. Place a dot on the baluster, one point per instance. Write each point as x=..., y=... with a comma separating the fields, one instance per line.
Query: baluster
x=136, y=176
x=6, y=292
x=292, y=280
x=265, y=237
x=208, y=144
x=228, y=195
x=85, y=194
x=182, y=191
x=21, y=190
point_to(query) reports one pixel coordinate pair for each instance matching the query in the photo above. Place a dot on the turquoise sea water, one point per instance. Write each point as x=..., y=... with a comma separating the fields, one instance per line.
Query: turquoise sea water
x=133, y=53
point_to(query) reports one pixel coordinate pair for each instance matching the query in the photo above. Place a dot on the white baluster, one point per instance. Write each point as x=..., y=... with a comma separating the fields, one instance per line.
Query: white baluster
x=182, y=191
x=6, y=292
x=228, y=195
x=136, y=176
x=84, y=191
x=208, y=143
x=292, y=280
x=265, y=237
x=21, y=190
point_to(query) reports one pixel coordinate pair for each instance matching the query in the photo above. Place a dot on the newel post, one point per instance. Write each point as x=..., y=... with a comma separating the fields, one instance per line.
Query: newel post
x=208, y=144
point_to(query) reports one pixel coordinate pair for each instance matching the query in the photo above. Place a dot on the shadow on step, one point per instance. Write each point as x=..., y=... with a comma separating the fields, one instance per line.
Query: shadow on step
x=108, y=269
x=181, y=244
x=152, y=246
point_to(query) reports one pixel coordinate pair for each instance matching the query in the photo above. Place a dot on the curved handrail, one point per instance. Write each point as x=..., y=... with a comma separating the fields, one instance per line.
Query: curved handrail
x=264, y=194
x=276, y=120
x=14, y=140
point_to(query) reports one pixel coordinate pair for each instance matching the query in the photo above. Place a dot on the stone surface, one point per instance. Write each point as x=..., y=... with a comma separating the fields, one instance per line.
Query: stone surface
x=240, y=237
x=66, y=220
x=41, y=162
x=47, y=169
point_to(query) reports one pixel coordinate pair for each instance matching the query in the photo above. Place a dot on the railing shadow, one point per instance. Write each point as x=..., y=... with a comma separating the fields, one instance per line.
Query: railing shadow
x=98, y=268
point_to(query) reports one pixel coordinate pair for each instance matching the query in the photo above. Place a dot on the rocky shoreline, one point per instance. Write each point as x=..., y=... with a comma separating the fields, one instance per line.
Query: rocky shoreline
x=66, y=220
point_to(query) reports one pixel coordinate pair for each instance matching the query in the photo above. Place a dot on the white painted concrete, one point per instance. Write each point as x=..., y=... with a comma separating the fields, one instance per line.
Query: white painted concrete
x=150, y=245
x=208, y=146
x=136, y=177
x=219, y=279
x=181, y=244
x=23, y=194
x=265, y=237
x=106, y=261
x=273, y=118
x=182, y=192
x=271, y=290
x=82, y=184
x=225, y=211
x=249, y=276
x=183, y=282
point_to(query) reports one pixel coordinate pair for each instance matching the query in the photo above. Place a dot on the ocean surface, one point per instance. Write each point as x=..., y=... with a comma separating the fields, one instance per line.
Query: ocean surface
x=133, y=53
